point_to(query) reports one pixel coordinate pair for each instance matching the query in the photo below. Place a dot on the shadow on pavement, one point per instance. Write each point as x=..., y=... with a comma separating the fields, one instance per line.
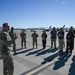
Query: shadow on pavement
x=61, y=62
x=72, y=67
x=24, y=51
x=49, y=50
x=18, y=49
x=53, y=49
x=50, y=58
x=34, y=52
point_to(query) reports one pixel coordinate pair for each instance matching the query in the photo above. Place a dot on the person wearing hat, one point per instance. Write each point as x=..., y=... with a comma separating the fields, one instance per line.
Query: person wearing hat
x=13, y=37
x=34, y=38
x=5, y=41
x=23, y=39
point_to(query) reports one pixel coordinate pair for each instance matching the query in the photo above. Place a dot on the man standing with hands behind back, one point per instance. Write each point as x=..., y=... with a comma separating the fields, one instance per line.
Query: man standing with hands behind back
x=13, y=37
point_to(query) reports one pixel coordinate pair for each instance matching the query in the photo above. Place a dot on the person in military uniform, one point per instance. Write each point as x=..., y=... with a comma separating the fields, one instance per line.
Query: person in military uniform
x=34, y=38
x=23, y=39
x=5, y=41
x=13, y=37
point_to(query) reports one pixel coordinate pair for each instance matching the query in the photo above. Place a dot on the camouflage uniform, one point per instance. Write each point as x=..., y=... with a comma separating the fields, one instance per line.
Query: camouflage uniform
x=23, y=38
x=13, y=37
x=34, y=38
x=5, y=41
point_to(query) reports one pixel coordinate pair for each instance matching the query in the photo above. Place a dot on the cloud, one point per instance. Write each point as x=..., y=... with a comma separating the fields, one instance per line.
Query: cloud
x=64, y=2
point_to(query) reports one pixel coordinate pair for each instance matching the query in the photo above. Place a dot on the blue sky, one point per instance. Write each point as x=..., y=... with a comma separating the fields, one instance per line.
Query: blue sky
x=37, y=13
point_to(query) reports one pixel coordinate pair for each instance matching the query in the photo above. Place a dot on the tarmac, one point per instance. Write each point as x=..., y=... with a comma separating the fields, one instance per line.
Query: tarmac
x=40, y=61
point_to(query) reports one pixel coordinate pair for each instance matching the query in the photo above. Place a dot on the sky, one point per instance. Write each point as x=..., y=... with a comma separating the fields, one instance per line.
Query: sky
x=37, y=13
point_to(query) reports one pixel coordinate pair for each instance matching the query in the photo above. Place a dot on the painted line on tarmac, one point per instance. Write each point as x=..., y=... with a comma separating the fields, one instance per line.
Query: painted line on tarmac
x=40, y=68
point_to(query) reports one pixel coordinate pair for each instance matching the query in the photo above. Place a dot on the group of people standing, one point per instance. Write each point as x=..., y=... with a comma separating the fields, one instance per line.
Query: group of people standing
x=8, y=38
x=34, y=36
x=60, y=34
x=54, y=35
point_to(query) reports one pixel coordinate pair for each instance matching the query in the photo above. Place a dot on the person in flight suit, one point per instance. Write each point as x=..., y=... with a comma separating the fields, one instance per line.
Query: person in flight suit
x=5, y=41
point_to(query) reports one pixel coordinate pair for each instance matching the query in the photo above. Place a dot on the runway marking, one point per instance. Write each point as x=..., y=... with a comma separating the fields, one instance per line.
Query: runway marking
x=41, y=67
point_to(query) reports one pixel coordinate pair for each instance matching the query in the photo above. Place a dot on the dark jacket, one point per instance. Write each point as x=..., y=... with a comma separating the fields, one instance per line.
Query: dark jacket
x=44, y=36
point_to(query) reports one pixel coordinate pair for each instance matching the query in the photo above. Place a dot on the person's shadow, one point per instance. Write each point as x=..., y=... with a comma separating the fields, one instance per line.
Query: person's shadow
x=49, y=50
x=61, y=62
x=34, y=52
x=24, y=51
x=72, y=67
x=50, y=58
